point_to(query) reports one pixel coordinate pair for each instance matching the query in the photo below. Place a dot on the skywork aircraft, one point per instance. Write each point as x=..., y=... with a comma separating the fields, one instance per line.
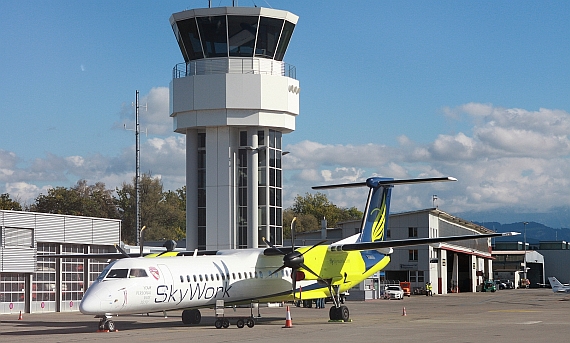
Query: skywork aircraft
x=557, y=286
x=189, y=281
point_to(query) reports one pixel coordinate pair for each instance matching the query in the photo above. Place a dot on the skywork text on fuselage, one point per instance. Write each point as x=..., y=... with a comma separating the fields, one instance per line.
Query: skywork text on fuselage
x=168, y=294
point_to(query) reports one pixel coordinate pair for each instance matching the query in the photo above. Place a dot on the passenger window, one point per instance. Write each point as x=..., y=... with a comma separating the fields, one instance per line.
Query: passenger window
x=250, y=275
x=212, y=277
x=234, y=276
x=117, y=274
x=194, y=276
x=223, y=277
x=181, y=278
x=188, y=278
x=206, y=277
x=239, y=276
x=217, y=277
x=201, y=278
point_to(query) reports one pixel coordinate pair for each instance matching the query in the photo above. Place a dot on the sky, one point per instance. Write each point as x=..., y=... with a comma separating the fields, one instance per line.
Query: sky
x=477, y=90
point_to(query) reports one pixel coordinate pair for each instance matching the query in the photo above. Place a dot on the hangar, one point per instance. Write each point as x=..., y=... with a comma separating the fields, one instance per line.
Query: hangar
x=50, y=285
x=450, y=267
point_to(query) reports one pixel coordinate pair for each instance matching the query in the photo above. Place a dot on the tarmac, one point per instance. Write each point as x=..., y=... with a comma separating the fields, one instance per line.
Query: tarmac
x=522, y=315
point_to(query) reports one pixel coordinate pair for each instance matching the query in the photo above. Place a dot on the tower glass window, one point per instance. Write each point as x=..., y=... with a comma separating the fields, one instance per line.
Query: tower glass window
x=214, y=36
x=201, y=191
x=241, y=33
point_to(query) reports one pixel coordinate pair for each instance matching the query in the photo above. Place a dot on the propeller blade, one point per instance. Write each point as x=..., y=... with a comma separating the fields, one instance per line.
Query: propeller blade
x=293, y=226
x=321, y=242
x=278, y=270
x=272, y=246
x=122, y=251
x=294, y=279
x=304, y=266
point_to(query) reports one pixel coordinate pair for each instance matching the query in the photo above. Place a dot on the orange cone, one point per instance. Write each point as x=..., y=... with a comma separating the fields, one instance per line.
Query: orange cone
x=288, y=321
x=20, y=316
x=404, y=312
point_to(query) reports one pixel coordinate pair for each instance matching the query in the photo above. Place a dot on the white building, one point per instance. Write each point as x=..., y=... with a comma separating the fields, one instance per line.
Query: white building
x=50, y=284
x=450, y=267
x=233, y=98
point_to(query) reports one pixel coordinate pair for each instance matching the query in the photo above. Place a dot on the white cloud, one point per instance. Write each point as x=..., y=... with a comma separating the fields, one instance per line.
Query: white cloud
x=509, y=159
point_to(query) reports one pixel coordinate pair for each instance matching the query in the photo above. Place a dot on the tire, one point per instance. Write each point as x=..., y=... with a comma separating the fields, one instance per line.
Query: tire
x=218, y=324
x=240, y=323
x=191, y=317
x=110, y=325
x=225, y=323
x=344, y=313
x=334, y=313
x=250, y=323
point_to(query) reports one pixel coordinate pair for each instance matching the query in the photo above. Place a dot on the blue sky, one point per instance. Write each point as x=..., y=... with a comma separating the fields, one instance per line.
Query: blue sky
x=476, y=90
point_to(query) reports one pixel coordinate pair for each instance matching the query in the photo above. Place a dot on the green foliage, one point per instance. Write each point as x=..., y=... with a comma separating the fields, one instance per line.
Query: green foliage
x=6, y=203
x=163, y=213
x=319, y=206
x=80, y=200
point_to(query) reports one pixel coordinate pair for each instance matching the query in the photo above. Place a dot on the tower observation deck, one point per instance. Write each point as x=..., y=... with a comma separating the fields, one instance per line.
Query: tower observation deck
x=233, y=98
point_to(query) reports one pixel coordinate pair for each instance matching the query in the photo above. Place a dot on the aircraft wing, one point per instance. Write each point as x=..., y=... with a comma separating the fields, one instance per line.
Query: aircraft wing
x=412, y=241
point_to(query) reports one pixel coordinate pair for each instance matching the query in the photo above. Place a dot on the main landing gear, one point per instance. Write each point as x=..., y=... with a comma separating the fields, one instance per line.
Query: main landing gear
x=191, y=317
x=337, y=312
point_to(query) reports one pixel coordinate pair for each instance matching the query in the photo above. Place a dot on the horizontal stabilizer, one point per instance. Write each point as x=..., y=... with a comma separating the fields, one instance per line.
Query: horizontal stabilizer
x=388, y=182
x=413, y=241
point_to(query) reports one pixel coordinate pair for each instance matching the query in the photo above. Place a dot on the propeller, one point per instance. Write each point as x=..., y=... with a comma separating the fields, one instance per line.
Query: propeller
x=294, y=259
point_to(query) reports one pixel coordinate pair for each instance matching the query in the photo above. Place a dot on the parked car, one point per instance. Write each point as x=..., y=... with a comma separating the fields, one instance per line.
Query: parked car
x=394, y=292
x=489, y=286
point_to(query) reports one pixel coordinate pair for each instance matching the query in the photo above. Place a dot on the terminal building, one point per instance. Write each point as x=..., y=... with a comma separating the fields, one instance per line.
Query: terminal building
x=50, y=285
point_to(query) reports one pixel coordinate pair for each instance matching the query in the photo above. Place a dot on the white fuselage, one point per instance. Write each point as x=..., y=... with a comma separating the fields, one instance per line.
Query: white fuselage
x=188, y=282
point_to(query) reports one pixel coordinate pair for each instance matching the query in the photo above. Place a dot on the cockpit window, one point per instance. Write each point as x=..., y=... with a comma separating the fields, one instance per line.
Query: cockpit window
x=137, y=272
x=117, y=274
x=105, y=271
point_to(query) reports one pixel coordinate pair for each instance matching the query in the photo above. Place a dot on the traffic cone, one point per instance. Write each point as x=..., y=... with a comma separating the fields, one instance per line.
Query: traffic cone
x=20, y=316
x=404, y=312
x=288, y=322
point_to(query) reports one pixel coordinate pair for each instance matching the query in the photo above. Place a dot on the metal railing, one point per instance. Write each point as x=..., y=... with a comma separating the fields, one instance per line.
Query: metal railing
x=234, y=65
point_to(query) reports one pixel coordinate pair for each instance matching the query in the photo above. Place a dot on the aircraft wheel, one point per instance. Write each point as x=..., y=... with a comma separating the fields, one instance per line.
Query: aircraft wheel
x=250, y=323
x=240, y=323
x=218, y=324
x=334, y=313
x=110, y=325
x=344, y=313
x=225, y=323
x=186, y=317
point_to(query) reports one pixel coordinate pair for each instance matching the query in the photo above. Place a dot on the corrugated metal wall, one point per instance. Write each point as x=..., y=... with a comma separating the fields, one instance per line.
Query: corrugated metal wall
x=51, y=228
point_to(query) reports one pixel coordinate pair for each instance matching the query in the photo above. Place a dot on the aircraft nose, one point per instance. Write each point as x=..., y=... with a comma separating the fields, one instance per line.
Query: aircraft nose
x=91, y=302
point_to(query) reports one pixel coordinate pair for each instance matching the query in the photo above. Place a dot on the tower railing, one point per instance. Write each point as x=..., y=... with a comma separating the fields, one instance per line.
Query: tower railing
x=234, y=65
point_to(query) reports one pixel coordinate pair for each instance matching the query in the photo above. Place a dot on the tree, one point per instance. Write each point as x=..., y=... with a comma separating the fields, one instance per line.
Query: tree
x=80, y=200
x=6, y=203
x=311, y=209
x=163, y=213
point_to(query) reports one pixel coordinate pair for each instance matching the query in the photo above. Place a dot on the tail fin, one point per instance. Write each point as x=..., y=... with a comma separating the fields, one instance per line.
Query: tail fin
x=376, y=213
x=555, y=284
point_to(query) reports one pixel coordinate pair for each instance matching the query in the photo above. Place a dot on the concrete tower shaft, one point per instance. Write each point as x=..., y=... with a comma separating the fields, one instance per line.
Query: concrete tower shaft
x=233, y=97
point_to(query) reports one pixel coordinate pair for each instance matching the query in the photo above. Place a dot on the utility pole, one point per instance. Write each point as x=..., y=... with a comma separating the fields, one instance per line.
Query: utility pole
x=525, y=223
x=138, y=167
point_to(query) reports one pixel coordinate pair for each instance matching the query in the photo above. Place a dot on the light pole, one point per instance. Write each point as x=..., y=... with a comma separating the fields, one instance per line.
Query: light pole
x=524, y=273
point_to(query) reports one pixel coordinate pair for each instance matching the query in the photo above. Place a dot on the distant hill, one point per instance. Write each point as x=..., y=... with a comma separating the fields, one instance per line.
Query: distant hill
x=535, y=232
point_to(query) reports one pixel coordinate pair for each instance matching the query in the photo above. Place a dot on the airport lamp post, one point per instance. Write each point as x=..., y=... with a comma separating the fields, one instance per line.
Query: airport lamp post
x=524, y=263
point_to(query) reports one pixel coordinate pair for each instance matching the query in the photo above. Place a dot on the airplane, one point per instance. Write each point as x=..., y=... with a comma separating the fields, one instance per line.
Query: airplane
x=188, y=281
x=557, y=286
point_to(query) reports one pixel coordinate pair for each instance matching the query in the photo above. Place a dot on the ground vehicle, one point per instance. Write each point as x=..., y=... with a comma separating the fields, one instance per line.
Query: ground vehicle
x=394, y=292
x=406, y=287
x=488, y=286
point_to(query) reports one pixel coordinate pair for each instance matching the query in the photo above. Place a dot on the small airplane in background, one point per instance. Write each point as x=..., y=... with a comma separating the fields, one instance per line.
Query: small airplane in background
x=190, y=280
x=557, y=286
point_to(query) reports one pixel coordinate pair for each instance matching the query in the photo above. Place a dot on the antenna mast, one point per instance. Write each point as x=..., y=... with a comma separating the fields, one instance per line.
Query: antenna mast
x=137, y=173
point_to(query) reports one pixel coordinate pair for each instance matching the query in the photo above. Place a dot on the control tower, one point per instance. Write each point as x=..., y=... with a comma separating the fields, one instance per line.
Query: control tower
x=233, y=98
